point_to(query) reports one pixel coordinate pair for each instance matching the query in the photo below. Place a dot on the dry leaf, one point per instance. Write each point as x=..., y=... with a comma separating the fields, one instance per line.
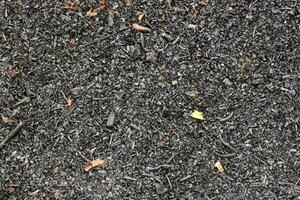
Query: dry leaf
x=128, y=3
x=71, y=5
x=6, y=120
x=161, y=78
x=69, y=102
x=219, y=166
x=72, y=41
x=165, y=136
x=102, y=5
x=192, y=93
x=12, y=73
x=62, y=172
x=141, y=17
x=94, y=163
x=194, y=11
x=11, y=189
x=91, y=14
x=56, y=194
x=140, y=28
x=205, y=55
x=197, y=115
x=204, y=2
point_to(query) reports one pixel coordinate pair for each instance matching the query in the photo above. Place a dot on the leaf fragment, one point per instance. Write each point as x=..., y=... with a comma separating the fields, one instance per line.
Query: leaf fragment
x=219, y=166
x=94, y=163
x=6, y=120
x=140, y=28
x=69, y=102
x=192, y=93
x=128, y=3
x=197, y=115
x=204, y=2
x=91, y=14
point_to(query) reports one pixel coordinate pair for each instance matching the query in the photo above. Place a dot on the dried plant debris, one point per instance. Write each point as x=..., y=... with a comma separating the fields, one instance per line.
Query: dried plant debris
x=95, y=163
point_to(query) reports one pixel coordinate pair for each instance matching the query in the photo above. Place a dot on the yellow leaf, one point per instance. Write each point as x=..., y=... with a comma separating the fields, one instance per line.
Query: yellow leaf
x=197, y=115
x=219, y=166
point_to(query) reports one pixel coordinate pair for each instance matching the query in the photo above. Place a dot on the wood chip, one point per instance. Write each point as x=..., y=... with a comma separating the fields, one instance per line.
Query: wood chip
x=140, y=28
x=94, y=163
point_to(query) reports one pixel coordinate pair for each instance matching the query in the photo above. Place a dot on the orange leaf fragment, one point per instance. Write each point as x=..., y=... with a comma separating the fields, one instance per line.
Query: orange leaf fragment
x=102, y=5
x=94, y=163
x=71, y=5
x=128, y=3
x=6, y=120
x=140, y=28
x=91, y=14
x=69, y=102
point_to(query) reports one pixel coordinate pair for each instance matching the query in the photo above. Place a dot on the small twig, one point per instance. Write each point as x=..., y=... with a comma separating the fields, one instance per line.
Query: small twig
x=152, y=176
x=226, y=143
x=158, y=167
x=94, y=41
x=170, y=184
x=83, y=157
x=225, y=155
x=22, y=101
x=11, y=134
x=130, y=178
x=225, y=118
x=186, y=178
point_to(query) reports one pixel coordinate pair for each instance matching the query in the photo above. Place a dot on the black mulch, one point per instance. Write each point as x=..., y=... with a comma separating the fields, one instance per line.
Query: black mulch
x=127, y=102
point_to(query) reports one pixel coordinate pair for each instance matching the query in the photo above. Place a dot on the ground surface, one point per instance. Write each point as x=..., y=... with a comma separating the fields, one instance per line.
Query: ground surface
x=241, y=56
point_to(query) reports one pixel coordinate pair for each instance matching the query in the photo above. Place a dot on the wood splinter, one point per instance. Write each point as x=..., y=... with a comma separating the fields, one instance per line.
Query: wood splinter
x=11, y=134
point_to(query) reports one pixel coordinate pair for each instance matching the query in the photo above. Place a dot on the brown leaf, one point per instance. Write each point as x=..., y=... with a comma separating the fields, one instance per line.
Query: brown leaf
x=56, y=194
x=11, y=189
x=128, y=3
x=161, y=78
x=91, y=14
x=141, y=17
x=94, y=163
x=12, y=73
x=140, y=28
x=102, y=5
x=71, y=5
x=6, y=120
x=72, y=41
x=204, y=2
x=69, y=102
x=192, y=93
x=62, y=172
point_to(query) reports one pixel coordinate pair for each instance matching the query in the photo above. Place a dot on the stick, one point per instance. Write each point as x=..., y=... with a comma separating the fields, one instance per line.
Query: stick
x=11, y=134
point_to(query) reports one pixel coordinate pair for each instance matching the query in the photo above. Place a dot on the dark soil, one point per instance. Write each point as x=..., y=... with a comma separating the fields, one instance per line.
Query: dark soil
x=127, y=102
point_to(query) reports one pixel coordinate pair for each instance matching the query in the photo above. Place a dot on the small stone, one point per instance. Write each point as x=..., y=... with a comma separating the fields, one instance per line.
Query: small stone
x=111, y=119
x=160, y=189
x=151, y=57
x=226, y=81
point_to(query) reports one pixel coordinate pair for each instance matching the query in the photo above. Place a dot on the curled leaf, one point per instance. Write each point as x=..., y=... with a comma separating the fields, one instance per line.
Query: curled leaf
x=219, y=166
x=192, y=93
x=140, y=28
x=94, y=163
x=197, y=115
